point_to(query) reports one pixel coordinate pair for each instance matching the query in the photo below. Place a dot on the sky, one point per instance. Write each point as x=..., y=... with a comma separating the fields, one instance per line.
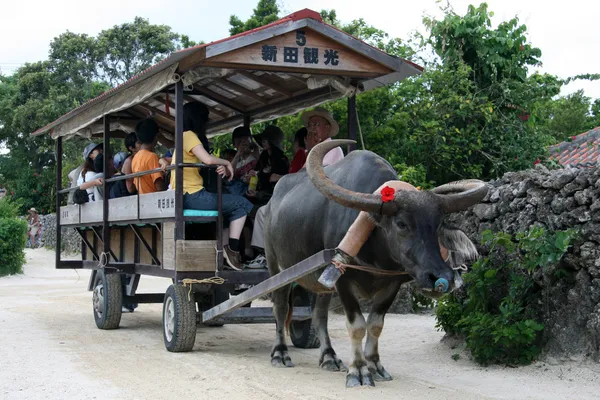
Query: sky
x=566, y=33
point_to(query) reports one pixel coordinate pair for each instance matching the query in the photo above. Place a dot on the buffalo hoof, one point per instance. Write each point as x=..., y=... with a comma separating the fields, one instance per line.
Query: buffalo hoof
x=361, y=378
x=331, y=362
x=380, y=374
x=280, y=357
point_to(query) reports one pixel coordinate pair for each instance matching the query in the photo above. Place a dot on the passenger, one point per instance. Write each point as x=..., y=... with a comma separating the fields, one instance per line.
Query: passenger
x=133, y=145
x=73, y=175
x=235, y=208
x=88, y=176
x=321, y=128
x=244, y=161
x=229, y=155
x=258, y=238
x=97, y=183
x=119, y=188
x=272, y=164
x=145, y=159
x=299, y=149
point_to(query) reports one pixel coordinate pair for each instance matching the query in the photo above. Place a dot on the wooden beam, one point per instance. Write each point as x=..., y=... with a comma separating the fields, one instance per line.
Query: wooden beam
x=229, y=103
x=220, y=113
x=285, y=277
x=157, y=112
x=162, y=97
x=191, y=60
x=265, y=82
x=240, y=89
x=162, y=127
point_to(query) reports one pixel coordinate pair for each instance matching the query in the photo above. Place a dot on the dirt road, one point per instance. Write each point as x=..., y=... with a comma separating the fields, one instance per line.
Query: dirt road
x=51, y=349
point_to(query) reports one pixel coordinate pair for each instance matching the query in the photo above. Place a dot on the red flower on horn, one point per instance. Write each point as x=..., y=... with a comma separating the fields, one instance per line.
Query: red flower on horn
x=387, y=194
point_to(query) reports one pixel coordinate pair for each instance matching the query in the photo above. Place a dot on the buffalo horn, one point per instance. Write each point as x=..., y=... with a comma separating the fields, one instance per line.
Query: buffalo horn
x=460, y=195
x=359, y=201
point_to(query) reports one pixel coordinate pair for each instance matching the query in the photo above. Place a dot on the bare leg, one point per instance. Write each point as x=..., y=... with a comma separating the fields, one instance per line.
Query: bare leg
x=328, y=359
x=236, y=227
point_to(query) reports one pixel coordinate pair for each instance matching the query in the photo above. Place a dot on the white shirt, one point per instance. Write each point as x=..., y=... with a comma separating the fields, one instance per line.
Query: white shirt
x=93, y=193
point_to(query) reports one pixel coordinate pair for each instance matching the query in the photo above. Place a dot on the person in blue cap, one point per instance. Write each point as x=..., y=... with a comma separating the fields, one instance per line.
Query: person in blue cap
x=119, y=188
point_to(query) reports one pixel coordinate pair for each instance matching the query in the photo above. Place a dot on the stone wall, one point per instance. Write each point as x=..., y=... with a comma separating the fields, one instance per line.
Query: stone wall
x=71, y=242
x=556, y=200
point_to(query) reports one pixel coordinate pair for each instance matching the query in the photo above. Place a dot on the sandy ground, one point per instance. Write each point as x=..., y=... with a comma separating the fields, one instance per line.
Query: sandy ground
x=51, y=349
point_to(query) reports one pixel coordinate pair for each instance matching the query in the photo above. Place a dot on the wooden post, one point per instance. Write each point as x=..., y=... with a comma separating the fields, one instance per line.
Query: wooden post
x=58, y=202
x=105, y=226
x=352, y=125
x=179, y=223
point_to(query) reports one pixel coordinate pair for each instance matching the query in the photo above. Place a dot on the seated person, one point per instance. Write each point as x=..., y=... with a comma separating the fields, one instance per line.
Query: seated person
x=321, y=128
x=195, y=196
x=88, y=175
x=229, y=154
x=97, y=182
x=272, y=164
x=132, y=144
x=145, y=159
x=244, y=161
x=119, y=188
x=299, y=150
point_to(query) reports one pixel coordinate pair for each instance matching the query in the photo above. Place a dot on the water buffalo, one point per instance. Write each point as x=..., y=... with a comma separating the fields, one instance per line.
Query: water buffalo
x=305, y=216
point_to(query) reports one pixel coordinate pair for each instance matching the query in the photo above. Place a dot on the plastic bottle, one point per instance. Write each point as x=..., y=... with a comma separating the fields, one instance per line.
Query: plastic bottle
x=253, y=182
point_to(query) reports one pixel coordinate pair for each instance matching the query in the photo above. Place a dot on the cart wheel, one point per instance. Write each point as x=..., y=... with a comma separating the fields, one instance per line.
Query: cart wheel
x=107, y=299
x=221, y=294
x=179, y=319
x=302, y=333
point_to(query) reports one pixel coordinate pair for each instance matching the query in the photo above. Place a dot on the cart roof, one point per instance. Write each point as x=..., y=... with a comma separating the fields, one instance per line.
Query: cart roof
x=278, y=69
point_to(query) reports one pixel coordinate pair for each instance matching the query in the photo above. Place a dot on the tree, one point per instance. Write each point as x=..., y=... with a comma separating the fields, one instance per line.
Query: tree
x=79, y=68
x=265, y=12
x=130, y=48
x=567, y=116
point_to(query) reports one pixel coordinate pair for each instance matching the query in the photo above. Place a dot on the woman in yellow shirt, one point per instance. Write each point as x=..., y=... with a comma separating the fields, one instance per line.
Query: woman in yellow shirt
x=235, y=208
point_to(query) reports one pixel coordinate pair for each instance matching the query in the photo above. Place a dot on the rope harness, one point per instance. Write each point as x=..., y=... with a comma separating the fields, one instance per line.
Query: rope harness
x=216, y=280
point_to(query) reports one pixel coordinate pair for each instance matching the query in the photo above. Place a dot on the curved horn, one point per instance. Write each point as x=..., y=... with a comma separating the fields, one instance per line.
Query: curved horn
x=460, y=195
x=347, y=198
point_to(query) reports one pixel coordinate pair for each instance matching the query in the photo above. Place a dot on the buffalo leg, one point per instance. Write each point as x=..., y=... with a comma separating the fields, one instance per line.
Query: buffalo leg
x=279, y=354
x=328, y=360
x=381, y=304
x=358, y=372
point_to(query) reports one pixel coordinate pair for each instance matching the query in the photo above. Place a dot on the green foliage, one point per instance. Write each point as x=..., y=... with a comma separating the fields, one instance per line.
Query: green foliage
x=568, y=116
x=13, y=237
x=9, y=208
x=497, y=314
x=475, y=112
x=265, y=12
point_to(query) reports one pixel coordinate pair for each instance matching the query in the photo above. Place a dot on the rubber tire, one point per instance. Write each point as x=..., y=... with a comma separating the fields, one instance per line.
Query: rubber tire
x=113, y=300
x=184, y=332
x=220, y=294
x=302, y=333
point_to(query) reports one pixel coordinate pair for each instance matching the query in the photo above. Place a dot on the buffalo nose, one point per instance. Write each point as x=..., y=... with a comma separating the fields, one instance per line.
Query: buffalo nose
x=441, y=285
x=441, y=282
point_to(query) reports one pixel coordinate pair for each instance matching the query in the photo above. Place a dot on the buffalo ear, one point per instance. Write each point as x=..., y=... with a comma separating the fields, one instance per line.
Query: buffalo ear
x=458, y=243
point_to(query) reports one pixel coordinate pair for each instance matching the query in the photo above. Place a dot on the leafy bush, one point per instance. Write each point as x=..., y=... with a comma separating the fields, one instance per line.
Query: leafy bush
x=13, y=237
x=8, y=208
x=496, y=313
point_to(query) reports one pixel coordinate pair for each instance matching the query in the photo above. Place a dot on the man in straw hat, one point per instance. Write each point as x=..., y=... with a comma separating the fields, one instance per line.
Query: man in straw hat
x=34, y=226
x=321, y=128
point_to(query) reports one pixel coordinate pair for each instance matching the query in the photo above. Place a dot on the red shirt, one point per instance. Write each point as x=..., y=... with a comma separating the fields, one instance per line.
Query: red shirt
x=298, y=161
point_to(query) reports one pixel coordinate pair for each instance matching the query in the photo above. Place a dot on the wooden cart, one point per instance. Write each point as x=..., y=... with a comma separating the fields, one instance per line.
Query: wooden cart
x=279, y=69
